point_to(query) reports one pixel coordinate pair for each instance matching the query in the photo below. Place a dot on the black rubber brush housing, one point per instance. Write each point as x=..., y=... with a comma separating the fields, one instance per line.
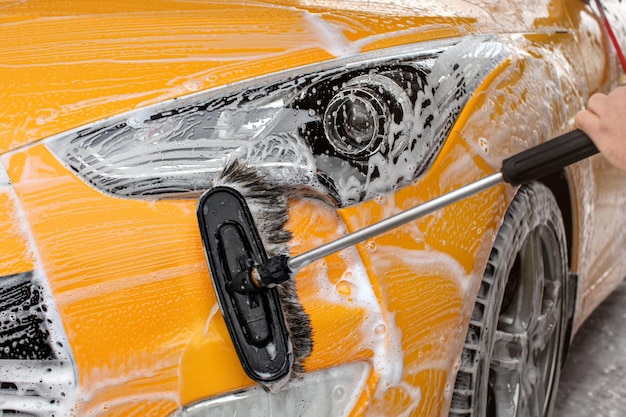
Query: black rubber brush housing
x=270, y=330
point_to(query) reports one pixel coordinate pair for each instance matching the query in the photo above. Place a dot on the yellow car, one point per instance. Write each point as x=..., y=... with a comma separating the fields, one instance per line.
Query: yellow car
x=119, y=118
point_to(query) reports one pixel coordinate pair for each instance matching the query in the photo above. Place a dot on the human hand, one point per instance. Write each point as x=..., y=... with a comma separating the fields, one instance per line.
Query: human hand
x=604, y=121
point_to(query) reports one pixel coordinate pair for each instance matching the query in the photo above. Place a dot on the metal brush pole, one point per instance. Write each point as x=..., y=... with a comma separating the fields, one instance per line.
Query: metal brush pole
x=383, y=226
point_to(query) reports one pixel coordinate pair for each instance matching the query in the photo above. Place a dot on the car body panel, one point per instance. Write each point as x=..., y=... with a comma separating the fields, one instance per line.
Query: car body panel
x=129, y=277
x=17, y=256
x=187, y=51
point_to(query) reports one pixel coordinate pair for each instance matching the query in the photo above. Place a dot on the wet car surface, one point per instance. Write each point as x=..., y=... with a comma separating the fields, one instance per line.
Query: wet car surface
x=117, y=117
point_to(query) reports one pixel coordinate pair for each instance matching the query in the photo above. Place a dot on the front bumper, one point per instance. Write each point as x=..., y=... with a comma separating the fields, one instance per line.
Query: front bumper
x=37, y=374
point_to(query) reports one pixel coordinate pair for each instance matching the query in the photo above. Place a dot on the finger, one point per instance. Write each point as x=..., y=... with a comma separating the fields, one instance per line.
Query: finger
x=588, y=122
x=598, y=104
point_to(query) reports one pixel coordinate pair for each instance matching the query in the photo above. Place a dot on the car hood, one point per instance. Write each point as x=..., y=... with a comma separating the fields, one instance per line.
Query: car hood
x=66, y=64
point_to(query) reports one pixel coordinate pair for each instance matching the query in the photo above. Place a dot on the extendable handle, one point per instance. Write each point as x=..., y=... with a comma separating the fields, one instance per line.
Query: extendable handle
x=547, y=157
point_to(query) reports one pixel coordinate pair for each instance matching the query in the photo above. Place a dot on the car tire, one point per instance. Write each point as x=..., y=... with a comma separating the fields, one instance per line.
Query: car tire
x=513, y=350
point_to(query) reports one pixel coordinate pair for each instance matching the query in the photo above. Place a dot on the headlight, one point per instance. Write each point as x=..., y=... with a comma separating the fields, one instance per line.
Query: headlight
x=353, y=127
x=332, y=392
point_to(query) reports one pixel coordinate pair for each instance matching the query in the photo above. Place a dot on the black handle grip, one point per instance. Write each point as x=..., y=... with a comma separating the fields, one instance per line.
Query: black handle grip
x=547, y=157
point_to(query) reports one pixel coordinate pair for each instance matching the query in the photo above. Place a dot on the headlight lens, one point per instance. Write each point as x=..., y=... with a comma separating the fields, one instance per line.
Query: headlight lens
x=358, y=118
x=353, y=127
x=332, y=392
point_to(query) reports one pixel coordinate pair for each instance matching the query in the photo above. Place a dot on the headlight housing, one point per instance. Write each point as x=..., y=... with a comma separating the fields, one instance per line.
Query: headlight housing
x=353, y=127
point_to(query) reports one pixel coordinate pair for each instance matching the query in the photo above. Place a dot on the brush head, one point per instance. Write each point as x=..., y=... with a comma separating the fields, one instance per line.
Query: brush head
x=265, y=237
x=253, y=316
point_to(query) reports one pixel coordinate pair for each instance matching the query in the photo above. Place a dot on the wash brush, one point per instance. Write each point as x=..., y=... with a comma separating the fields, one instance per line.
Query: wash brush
x=247, y=280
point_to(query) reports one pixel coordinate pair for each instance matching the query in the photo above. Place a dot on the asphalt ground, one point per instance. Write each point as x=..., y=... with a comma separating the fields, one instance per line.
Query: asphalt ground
x=593, y=380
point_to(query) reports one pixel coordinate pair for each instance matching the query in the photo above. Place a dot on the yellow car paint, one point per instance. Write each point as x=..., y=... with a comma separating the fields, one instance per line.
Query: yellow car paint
x=129, y=278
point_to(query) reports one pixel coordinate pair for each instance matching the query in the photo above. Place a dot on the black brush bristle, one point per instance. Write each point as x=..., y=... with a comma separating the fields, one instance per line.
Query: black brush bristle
x=269, y=206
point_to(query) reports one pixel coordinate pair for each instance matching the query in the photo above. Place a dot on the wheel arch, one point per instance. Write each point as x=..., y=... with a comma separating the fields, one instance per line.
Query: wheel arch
x=559, y=184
